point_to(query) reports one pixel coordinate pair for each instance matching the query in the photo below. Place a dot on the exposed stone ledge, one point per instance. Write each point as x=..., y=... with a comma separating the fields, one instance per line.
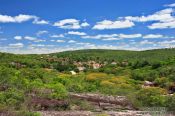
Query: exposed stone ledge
x=105, y=102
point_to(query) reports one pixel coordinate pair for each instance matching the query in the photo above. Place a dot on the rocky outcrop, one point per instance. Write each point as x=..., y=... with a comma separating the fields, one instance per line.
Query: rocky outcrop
x=105, y=102
x=89, y=113
x=97, y=102
x=66, y=113
x=45, y=104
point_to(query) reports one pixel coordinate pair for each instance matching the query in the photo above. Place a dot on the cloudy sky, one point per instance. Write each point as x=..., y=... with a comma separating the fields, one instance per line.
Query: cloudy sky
x=46, y=26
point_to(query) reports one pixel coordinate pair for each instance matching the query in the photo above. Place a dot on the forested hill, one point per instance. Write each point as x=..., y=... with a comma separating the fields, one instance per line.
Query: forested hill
x=100, y=55
x=120, y=55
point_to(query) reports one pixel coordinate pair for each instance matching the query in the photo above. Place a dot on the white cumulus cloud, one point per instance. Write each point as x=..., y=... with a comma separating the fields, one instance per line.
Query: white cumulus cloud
x=130, y=36
x=40, y=22
x=163, y=16
x=16, y=45
x=153, y=36
x=18, y=37
x=30, y=38
x=76, y=33
x=39, y=33
x=21, y=18
x=112, y=36
x=107, y=24
x=34, y=39
x=70, y=24
x=71, y=41
x=162, y=19
x=170, y=5
x=162, y=25
x=16, y=19
x=60, y=41
x=57, y=36
x=100, y=36
x=85, y=24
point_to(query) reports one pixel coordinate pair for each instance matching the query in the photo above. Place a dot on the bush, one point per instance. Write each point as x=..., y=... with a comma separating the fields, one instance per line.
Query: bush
x=118, y=80
x=106, y=83
x=75, y=87
x=152, y=96
x=12, y=98
x=170, y=103
x=90, y=87
x=96, y=76
x=138, y=75
x=162, y=82
x=156, y=65
x=58, y=91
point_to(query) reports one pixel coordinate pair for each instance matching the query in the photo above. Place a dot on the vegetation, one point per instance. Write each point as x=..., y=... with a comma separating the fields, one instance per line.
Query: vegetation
x=48, y=77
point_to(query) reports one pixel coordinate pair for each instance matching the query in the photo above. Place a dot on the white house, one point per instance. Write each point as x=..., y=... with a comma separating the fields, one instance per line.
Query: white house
x=73, y=72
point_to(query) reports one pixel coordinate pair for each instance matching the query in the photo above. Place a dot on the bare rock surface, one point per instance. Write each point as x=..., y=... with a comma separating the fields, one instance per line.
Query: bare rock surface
x=66, y=113
x=89, y=113
x=105, y=102
x=46, y=103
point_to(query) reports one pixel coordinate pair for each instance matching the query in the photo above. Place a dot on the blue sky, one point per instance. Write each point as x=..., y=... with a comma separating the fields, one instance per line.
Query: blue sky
x=46, y=26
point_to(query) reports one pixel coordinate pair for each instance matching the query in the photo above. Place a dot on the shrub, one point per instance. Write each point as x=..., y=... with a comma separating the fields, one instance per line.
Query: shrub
x=90, y=87
x=156, y=65
x=75, y=87
x=152, y=96
x=12, y=98
x=58, y=91
x=96, y=76
x=162, y=82
x=118, y=80
x=62, y=80
x=138, y=75
x=170, y=103
x=106, y=83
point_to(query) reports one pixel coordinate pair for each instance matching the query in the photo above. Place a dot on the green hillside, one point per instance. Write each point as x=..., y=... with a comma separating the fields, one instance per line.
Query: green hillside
x=96, y=54
x=151, y=55
x=34, y=82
